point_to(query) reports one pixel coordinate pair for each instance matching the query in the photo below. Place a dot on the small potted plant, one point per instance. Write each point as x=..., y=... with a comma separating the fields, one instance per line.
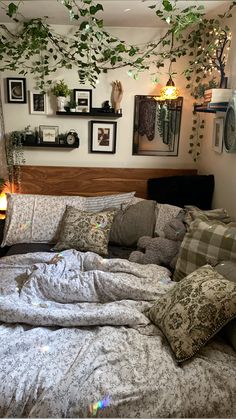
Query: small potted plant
x=61, y=91
x=72, y=105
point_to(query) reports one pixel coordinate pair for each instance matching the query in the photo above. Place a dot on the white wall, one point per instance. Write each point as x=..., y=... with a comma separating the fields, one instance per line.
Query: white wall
x=223, y=166
x=17, y=117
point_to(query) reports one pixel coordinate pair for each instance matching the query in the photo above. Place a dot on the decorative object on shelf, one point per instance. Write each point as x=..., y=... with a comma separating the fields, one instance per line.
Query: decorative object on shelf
x=83, y=99
x=70, y=139
x=38, y=103
x=106, y=107
x=217, y=139
x=230, y=126
x=71, y=105
x=103, y=137
x=48, y=134
x=16, y=90
x=117, y=95
x=156, y=126
x=61, y=91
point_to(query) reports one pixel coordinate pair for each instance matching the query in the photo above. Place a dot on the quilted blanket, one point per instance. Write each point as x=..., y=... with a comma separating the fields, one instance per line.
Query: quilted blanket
x=75, y=342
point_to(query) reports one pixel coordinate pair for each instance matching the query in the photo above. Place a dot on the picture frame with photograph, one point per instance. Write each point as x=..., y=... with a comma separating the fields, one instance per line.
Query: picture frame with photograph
x=48, y=134
x=38, y=103
x=103, y=137
x=83, y=99
x=16, y=90
x=217, y=138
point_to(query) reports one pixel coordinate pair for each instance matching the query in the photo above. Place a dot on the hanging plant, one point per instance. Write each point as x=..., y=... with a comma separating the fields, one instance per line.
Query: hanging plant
x=34, y=46
x=196, y=136
x=15, y=157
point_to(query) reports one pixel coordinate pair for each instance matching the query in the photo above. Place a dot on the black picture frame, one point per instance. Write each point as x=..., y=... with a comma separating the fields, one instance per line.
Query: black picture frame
x=16, y=90
x=83, y=99
x=103, y=137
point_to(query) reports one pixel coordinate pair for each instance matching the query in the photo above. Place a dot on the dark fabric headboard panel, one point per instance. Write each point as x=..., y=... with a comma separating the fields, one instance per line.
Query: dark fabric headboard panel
x=183, y=190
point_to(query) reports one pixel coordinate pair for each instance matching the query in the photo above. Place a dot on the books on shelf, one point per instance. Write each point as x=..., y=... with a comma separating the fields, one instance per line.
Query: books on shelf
x=217, y=95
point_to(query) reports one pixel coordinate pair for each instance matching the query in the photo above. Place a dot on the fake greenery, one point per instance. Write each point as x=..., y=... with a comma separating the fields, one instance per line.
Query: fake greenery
x=61, y=89
x=15, y=157
x=2, y=183
x=34, y=46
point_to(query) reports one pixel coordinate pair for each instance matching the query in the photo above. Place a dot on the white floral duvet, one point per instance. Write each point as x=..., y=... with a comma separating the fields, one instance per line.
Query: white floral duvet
x=75, y=342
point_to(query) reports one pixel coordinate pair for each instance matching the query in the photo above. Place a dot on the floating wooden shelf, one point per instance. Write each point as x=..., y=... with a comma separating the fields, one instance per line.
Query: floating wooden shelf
x=94, y=112
x=209, y=110
x=52, y=145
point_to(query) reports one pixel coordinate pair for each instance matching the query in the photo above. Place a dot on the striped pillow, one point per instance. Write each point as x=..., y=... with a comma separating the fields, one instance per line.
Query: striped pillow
x=206, y=242
x=100, y=203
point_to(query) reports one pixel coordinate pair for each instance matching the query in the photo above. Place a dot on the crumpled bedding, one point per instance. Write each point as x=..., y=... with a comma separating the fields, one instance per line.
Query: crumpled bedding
x=74, y=332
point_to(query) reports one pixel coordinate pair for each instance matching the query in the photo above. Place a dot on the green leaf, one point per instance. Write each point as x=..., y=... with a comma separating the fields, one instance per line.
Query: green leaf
x=12, y=9
x=167, y=5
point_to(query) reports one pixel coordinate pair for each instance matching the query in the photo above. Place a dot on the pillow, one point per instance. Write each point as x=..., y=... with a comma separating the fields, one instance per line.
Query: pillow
x=194, y=310
x=164, y=214
x=228, y=270
x=36, y=218
x=219, y=214
x=85, y=231
x=205, y=242
x=132, y=223
x=100, y=203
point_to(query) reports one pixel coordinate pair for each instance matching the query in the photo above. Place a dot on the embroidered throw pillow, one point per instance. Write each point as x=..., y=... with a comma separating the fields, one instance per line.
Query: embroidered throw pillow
x=219, y=214
x=164, y=214
x=206, y=242
x=194, y=310
x=85, y=231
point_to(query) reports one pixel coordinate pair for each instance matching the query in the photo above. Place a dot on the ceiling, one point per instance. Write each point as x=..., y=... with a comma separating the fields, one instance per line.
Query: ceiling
x=117, y=13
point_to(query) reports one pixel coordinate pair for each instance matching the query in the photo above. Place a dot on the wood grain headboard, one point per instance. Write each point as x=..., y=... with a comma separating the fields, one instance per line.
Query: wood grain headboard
x=90, y=181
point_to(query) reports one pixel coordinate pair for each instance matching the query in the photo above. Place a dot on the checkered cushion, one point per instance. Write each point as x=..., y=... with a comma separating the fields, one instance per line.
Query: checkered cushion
x=206, y=242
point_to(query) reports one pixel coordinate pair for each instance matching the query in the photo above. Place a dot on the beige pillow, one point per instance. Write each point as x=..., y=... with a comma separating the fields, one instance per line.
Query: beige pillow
x=194, y=310
x=132, y=223
x=36, y=218
x=85, y=231
x=219, y=214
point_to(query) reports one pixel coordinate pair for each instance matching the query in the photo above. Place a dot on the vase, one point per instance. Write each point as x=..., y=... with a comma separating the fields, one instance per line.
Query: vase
x=61, y=101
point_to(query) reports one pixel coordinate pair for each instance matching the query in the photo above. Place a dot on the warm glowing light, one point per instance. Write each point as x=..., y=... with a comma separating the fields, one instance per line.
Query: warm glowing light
x=3, y=202
x=169, y=93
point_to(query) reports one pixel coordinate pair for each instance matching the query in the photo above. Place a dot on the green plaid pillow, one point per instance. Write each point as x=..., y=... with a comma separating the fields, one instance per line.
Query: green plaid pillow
x=206, y=242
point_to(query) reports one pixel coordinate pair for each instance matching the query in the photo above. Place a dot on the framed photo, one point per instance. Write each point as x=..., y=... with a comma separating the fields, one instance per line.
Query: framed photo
x=217, y=139
x=16, y=90
x=103, y=137
x=83, y=99
x=48, y=134
x=38, y=104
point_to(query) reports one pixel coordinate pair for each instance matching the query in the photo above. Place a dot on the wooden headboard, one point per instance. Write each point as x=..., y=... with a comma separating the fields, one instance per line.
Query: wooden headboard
x=91, y=181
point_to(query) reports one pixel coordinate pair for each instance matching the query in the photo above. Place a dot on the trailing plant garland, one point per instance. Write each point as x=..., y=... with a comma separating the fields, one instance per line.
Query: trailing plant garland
x=34, y=46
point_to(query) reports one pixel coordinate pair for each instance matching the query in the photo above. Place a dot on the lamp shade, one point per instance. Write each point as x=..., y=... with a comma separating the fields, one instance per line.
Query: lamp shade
x=3, y=202
x=169, y=92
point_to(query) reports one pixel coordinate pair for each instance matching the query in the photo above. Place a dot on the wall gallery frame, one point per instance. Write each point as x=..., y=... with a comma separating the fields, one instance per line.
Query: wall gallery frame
x=103, y=137
x=38, y=103
x=16, y=90
x=217, y=138
x=83, y=99
x=48, y=134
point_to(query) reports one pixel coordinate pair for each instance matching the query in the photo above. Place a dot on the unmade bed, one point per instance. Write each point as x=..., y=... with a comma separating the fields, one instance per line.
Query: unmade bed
x=74, y=332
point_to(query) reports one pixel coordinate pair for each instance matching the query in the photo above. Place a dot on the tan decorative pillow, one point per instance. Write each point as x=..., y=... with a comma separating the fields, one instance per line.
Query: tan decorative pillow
x=194, y=310
x=85, y=231
x=164, y=214
x=219, y=214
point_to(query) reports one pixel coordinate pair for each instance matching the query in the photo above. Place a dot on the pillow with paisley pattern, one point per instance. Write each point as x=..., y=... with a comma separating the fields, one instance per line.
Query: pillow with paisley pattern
x=194, y=310
x=85, y=231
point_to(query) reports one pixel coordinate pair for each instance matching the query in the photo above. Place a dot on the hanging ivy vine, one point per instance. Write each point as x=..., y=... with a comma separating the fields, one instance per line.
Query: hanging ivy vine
x=33, y=46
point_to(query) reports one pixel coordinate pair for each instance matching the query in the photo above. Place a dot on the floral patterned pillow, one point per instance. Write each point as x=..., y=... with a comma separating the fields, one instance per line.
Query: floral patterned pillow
x=85, y=231
x=194, y=310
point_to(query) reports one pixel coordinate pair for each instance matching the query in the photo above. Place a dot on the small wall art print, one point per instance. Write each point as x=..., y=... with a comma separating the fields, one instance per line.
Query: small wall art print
x=48, y=134
x=83, y=99
x=217, y=138
x=103, y=137
x=38, y=103
x=16, y=90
